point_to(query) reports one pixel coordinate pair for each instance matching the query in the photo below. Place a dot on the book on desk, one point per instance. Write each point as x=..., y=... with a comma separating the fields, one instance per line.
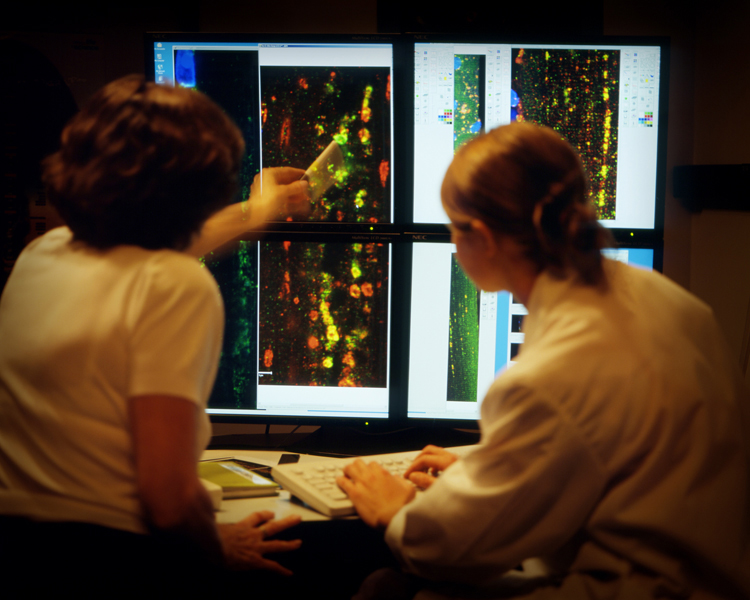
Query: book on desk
x=235, y=480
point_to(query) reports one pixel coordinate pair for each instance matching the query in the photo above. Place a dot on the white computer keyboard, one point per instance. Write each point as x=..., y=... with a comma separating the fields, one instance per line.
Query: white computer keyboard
x=315, y=482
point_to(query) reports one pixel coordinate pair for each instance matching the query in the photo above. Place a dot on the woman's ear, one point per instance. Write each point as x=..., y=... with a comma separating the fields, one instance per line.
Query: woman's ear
x=485, y=241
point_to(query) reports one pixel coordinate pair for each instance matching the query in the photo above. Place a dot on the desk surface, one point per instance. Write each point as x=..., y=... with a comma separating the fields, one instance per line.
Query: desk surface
x=236, y=509
x=355, y=549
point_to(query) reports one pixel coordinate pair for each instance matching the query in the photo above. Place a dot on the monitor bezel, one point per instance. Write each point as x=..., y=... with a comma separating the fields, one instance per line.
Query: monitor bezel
x=314, y=231
x=402, y=232
x=452, y=423
x=639, y=236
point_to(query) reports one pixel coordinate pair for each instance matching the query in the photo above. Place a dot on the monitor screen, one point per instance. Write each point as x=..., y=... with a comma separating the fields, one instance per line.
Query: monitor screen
x=311, y=310
x=461, y=338
x=607, y=99
x=307, y=330
x=296, y=101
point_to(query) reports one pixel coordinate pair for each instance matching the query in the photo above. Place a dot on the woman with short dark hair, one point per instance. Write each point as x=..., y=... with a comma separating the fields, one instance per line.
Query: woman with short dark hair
x=111, y=335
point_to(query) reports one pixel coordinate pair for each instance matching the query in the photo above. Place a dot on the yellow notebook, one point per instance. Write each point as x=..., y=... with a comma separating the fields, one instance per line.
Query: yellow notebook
x=236, y=481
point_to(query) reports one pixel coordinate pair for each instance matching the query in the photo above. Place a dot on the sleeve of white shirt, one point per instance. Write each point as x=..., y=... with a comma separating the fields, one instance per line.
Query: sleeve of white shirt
x=176, y=325
x=522, y=494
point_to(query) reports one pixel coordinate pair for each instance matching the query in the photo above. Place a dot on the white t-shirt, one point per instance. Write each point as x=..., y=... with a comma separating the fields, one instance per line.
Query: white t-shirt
x=616, y=449
x=81, y=332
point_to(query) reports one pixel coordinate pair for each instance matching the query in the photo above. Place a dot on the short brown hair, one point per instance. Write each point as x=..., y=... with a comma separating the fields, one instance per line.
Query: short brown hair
x=144, y=164
x=525, y=181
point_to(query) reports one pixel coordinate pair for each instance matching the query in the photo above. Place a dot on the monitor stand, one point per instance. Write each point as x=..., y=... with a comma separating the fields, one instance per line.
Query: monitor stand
x=340, y=440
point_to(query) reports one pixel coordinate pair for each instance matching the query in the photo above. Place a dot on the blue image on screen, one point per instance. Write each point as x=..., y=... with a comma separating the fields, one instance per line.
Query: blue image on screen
x=501, y=334
x=641, y=257
x=184, y=71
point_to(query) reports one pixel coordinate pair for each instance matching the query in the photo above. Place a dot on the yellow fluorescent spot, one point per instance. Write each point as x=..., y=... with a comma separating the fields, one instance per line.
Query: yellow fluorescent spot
x=327, y=362
x=356, y=271
x=332, y=333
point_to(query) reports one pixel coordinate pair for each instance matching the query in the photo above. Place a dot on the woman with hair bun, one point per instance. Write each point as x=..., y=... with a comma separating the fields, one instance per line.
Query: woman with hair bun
x=613, y=461
x=110, y=340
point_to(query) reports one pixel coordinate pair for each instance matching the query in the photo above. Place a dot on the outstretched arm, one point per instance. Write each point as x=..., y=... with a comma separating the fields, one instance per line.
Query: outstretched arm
x=283, y=194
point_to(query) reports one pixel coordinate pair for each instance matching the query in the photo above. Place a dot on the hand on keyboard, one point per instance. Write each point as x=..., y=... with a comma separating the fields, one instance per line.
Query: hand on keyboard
x=316, y=483
x=377, y=494
x=428, y=465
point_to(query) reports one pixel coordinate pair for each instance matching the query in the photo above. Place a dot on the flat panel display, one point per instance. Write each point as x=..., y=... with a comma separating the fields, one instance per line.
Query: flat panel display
x=292, y=100
x=461, y=338
x=604, y=98
x=307, y=330
x=308, y=310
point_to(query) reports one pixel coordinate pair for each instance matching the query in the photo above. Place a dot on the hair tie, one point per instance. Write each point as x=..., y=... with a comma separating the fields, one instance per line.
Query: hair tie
x=554, y=190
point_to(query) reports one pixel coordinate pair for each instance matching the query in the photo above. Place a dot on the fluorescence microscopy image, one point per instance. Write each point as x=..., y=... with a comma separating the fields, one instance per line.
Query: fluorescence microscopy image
x=463, y=337
x=323, y=314
x=304, y=109
x=576, y=92
x=236, y=275
x=229, y=78
x=468, y=94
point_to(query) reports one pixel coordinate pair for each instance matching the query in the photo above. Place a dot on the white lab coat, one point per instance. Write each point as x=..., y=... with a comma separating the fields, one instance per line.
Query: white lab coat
x=615, y=450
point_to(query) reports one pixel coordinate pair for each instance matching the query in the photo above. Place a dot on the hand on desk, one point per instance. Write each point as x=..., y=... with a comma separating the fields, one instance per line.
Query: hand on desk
x=427, y=466
x=376, y=494
x=246, y=542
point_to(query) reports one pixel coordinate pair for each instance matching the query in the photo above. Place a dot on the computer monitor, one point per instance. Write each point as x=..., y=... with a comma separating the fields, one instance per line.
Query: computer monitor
x=308, y=309
x=307, y=331
x=293, y=97
x=342, y=318
x=607, y=97
x=461, y=338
